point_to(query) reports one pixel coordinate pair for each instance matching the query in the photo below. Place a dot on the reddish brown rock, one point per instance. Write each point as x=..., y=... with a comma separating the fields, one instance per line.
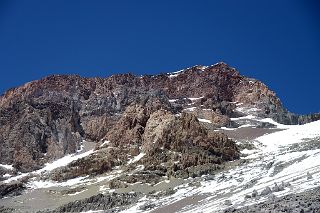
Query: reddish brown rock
x=50, y=117
x=183, y=140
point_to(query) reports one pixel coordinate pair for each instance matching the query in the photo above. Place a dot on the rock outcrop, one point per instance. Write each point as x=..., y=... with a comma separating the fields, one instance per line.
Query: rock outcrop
x=11, y=189
x=179, y=144
x=308, y=201
x=48, y=118
x=170, y=145
x=100, y=202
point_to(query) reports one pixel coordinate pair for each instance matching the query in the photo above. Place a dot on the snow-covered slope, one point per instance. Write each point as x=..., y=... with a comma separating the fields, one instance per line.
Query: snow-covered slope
x=283, y=162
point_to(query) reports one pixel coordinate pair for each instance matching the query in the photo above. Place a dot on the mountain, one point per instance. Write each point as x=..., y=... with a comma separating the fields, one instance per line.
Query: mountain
x=65, y=138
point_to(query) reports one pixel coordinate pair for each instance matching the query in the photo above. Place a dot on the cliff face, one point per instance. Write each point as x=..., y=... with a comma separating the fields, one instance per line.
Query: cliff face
x=49, y=118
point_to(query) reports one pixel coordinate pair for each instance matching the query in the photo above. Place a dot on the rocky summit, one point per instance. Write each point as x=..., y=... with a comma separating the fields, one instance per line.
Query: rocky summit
x=136, y=142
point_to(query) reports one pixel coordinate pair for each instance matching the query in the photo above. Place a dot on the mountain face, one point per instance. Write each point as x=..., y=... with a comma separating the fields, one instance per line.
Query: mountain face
x=167, y=125
x=48, y=119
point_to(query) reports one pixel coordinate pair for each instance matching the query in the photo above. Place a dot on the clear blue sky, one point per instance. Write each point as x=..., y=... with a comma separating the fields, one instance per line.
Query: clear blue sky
x=275, y=41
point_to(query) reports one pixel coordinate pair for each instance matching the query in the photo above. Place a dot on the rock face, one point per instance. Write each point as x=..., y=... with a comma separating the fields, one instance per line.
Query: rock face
x=33, y=125
x=11, y=189
x=308, y=201
x=99, y=202
x=47, y=119
x=181, y=134
x=171, y=145
x=181, y=146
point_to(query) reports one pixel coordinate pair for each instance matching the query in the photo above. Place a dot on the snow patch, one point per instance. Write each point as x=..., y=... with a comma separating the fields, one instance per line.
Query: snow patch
x=248, y=117
x=48, y=184
x=247, y=110
x=173, y=100
x=175, y=74
x=6, y=166
x=191, y=108
x=194, y=99
x=104, y=143
x=249, y=151
x=94, y=211
x=242, y=126
x=6, y=175
x=76, y=193
x=227, y=128
x=136, y=158
x=204, y=120
x=15, y=178
x=64, y=161
x=265, y=120
x=278, y=125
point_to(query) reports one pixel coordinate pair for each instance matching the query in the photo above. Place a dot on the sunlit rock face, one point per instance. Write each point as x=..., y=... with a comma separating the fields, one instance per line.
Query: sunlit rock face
x=48, y=118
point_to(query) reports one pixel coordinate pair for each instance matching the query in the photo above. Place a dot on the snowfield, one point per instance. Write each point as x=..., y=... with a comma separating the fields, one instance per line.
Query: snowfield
x=294, y=134
x=283, y=162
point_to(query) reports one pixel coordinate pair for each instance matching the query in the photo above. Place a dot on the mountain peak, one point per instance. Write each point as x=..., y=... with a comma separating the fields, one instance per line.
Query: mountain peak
x=221, y=63
x=134, y=129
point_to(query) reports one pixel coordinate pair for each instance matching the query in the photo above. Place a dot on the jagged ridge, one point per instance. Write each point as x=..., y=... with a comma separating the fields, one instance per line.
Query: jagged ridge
x=49, y=118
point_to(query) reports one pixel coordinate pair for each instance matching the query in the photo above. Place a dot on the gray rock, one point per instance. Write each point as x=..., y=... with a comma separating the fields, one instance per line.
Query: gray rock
x=266, y=191
x=228, y=203
x=4, y=209
x=247, y=196
x=308, y=201
x=11, y=189
x=209, y=177
x=99, y=202
x=147, y=206
x=309, y=176
x=277, y=188
x=254, y=193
